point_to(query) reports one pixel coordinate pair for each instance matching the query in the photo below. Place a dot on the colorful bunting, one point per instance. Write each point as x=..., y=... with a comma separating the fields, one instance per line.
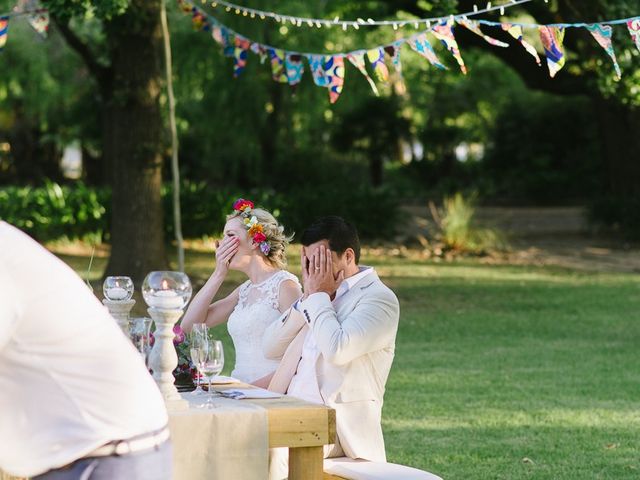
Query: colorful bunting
x=4, y=31
x=516, y=32
x=422, y=46
x=295, y=68
x=552, y=38
x=316, y=64
x=334, y=72
x=376, y=57
x=475, y=28
x=278, y=71
x=603, y=35
x=444, y=33
x=240, y=55
x=357, y=60
x=634, y=29
x=329, y=70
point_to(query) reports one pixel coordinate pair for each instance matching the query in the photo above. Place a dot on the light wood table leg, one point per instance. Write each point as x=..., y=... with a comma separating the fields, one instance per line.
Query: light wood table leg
x=305, y=463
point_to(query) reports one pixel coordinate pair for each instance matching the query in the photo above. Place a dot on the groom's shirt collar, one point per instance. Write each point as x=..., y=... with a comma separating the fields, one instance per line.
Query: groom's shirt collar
x=348, y=283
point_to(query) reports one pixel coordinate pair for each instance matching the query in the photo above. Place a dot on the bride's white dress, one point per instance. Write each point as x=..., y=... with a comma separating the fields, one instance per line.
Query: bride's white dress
x=257, y=308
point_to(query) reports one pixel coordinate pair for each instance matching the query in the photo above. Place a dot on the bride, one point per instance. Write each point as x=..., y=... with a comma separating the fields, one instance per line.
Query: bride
x=253, y=243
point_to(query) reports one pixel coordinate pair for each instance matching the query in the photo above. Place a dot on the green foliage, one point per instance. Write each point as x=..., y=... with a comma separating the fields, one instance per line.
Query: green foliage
x=458, y=231
x=204, y=208
x=544, y=151
x=56, y=211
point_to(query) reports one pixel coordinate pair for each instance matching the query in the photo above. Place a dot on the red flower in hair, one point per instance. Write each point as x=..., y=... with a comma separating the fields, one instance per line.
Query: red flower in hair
x=241, y=205
x=259, y=238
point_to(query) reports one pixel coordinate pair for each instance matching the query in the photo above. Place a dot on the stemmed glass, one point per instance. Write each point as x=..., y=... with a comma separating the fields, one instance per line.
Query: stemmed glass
x=212, y=366
x=198, y=341
x=140, y=335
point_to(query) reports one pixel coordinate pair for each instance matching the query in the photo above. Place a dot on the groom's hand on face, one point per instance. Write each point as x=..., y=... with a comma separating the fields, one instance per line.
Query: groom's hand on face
x=318, y=275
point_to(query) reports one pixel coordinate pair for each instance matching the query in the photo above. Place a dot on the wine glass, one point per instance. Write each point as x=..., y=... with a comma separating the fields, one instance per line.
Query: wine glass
x=140, y=335
x=212, y=366
x=198, y=340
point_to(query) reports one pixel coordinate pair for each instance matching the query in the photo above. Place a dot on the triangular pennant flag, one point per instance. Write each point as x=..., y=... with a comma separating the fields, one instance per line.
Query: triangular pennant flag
x=475, y=28
x=602, y=34
x=199, y=20
x=634, y=29
x=186, y=7
x=357, y=60
x=552, y=38
x=444, y=33
x=316, y=64
x=295, y=68
x=278, y=71
x=259, y=50
x=240, y=53
x=394, y=52
x=334, y=72
x=516, y=32
x=4, y=31
x=422, y=46
x=222, y=36
x=376, y=57
x=40, y=22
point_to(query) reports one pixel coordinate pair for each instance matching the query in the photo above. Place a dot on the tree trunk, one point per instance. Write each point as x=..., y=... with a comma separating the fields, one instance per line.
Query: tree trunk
x=619, y=126
x=133, y=141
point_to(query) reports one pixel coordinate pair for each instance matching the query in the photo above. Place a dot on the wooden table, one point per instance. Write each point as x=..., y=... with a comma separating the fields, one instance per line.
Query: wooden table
x=301, y=426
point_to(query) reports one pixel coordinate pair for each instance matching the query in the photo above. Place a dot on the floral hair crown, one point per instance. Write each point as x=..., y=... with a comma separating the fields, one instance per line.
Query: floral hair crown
x=256, y=231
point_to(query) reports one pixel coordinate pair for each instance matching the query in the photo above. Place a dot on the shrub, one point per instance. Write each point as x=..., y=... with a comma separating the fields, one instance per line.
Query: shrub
x=457, y=230
x=54, y=211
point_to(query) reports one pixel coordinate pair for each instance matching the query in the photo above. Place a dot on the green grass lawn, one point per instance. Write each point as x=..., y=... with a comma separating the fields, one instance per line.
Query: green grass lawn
x=505, y=372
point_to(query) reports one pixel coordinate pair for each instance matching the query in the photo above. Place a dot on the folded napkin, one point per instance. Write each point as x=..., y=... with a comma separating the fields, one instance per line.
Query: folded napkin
x=241, y=393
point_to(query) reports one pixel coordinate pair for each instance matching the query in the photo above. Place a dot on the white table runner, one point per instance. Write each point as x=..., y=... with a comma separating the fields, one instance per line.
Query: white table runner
x=228, y=442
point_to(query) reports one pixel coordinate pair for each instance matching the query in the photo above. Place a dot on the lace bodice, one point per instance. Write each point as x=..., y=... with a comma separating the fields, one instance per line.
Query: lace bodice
x=257, y=308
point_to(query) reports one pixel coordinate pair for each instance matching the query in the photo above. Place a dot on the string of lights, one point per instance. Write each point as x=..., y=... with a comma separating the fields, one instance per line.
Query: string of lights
x=356, y=24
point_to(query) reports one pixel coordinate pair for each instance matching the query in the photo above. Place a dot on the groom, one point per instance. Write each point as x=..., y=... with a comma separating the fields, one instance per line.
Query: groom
x=337, y=342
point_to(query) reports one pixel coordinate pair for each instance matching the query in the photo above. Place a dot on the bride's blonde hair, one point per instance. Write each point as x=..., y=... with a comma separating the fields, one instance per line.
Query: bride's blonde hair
x=274, y=232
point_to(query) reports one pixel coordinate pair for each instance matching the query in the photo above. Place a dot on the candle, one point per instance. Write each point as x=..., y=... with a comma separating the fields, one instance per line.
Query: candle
x=116, y=293
x=167, y=299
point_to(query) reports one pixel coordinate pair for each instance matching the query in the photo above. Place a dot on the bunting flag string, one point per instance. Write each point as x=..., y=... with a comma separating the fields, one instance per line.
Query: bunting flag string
x=328, y=70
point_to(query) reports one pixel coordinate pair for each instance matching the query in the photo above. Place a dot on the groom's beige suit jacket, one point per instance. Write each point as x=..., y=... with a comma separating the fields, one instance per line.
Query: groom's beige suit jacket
x=355, y=336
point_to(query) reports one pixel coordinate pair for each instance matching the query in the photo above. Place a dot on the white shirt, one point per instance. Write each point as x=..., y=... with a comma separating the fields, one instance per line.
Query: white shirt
x=305, y=383
x=70, y=381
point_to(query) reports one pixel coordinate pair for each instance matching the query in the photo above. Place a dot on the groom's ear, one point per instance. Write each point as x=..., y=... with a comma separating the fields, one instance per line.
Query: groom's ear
x=349, y=255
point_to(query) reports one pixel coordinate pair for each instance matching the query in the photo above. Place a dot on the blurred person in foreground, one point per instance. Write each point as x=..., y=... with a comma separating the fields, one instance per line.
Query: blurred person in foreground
x=76, y=400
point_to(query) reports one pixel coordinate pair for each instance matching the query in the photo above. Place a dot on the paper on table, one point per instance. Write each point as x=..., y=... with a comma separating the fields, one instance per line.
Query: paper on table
x=240, y=393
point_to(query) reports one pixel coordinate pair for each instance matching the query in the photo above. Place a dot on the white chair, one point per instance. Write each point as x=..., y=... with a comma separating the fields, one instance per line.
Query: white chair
x=349, y=469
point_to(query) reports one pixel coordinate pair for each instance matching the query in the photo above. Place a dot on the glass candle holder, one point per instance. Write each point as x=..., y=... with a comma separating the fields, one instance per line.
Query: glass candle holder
x=166, y=290
x=117, y=289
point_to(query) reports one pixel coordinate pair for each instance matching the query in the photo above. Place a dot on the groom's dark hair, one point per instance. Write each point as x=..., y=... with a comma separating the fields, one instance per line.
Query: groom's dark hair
x=337, y=231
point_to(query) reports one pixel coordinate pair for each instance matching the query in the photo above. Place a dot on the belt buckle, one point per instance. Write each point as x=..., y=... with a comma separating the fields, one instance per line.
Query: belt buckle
x=116, y=448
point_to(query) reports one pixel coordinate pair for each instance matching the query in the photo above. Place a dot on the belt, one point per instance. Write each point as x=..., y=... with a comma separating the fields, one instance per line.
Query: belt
x=139, y=443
